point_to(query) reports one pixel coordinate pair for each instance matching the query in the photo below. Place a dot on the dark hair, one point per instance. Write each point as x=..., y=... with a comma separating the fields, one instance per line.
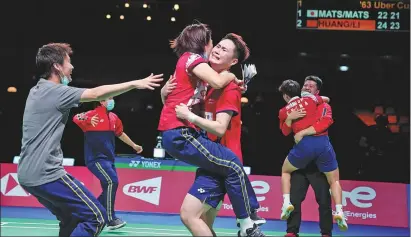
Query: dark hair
x=50, y=54
x=315, y=79
x=192, y=39
x=290, y=88
x=242, y=52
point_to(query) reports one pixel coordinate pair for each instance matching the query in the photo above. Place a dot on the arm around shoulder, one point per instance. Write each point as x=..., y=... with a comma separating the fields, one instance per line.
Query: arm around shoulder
x=215, y=80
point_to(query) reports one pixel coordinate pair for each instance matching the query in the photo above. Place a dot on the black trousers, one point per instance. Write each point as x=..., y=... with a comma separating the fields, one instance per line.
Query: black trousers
x=300, y=181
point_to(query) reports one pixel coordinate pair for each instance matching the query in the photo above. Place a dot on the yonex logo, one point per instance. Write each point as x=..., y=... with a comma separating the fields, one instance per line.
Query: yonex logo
x=134, y=163
x=10, y=186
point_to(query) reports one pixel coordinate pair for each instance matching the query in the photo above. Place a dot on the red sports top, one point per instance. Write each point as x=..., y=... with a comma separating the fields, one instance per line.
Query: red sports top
x=108, y=121
x=310, y=106
x=227, y=99
x=324, y=120
x=99, y=140
x=190, y=90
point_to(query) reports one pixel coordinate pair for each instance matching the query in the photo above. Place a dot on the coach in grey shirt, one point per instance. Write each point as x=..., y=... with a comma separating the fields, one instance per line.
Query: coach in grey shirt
x=40, y=170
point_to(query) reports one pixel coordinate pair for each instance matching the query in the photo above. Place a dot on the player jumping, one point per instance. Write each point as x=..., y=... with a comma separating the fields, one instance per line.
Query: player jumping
x=222, y=123
x=181, y=138
x=310, y=148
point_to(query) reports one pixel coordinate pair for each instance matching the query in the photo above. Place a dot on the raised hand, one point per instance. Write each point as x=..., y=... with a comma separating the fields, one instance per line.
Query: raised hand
x=149, y=82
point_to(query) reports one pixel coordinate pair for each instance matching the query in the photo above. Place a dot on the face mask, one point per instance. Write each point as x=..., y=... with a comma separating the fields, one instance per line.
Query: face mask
x=65, y=80
x=110, y=105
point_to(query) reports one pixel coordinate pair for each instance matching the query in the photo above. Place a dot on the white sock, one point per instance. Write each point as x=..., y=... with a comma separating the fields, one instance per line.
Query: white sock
x=338, y=208
x=245, y=224
x=286, y=198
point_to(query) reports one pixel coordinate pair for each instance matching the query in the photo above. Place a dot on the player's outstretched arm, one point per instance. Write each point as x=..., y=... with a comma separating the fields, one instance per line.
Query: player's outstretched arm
x=107, y=91
x=217, y=127
x=127, y=140
x=215, y=80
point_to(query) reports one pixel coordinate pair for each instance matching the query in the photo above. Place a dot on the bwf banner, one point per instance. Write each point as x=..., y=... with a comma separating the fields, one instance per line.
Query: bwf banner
x=163, y=191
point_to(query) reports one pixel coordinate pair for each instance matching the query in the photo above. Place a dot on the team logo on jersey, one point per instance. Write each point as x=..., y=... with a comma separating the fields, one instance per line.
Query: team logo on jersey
x=192, y=58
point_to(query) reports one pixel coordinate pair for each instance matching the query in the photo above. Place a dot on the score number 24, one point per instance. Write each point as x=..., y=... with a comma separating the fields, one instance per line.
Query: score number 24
x=382, y=25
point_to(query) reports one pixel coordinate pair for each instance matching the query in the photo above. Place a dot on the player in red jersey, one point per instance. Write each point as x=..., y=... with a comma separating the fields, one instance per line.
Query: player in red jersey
x=183, y=140
x=100, y=127
x=309, y=176
x=223, y=108
x=309, y=148
x=311, y=85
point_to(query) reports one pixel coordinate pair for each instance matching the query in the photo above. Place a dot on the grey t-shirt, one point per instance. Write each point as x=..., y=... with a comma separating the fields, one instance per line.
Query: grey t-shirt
x=45, y=116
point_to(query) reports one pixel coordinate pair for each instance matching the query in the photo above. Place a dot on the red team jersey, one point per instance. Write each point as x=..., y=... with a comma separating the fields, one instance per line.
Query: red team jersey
x=108, y=121
x=310, y=106
x=99, y=140
x=324, y=121
x=190, y=91
x=227, y=99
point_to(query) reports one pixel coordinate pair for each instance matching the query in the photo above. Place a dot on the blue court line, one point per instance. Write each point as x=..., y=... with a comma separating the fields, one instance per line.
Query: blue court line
x=221, y=222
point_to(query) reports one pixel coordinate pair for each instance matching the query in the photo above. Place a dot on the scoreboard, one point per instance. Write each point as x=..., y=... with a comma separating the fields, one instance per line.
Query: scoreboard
x=354, y=15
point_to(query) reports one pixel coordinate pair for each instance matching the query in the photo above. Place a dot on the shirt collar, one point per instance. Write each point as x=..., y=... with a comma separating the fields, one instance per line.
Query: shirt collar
x=294, y=98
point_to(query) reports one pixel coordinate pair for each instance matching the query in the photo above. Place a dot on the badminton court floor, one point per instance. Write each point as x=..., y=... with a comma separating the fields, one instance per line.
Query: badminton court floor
x=19, y=221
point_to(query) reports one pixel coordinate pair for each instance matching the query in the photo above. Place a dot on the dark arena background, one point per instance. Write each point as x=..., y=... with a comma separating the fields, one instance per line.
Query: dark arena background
x=360, y=49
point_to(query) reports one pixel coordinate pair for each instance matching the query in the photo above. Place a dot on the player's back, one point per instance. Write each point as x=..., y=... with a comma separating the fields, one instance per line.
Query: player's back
x=190, y=90
x=221, y=100
x=309, y=104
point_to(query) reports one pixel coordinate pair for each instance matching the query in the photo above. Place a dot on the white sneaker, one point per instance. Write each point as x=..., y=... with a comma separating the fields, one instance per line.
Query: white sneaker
x=341, y=221
x=286, y=211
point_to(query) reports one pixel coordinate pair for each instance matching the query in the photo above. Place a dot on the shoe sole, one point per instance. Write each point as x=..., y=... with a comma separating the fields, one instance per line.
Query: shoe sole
x=117, y=226
x=287, y=213
x=339, y=221
x=258, y=222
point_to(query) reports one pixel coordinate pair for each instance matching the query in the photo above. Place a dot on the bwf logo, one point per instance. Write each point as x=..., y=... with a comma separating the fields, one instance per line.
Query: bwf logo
x=147, y=190
x=10, y=186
